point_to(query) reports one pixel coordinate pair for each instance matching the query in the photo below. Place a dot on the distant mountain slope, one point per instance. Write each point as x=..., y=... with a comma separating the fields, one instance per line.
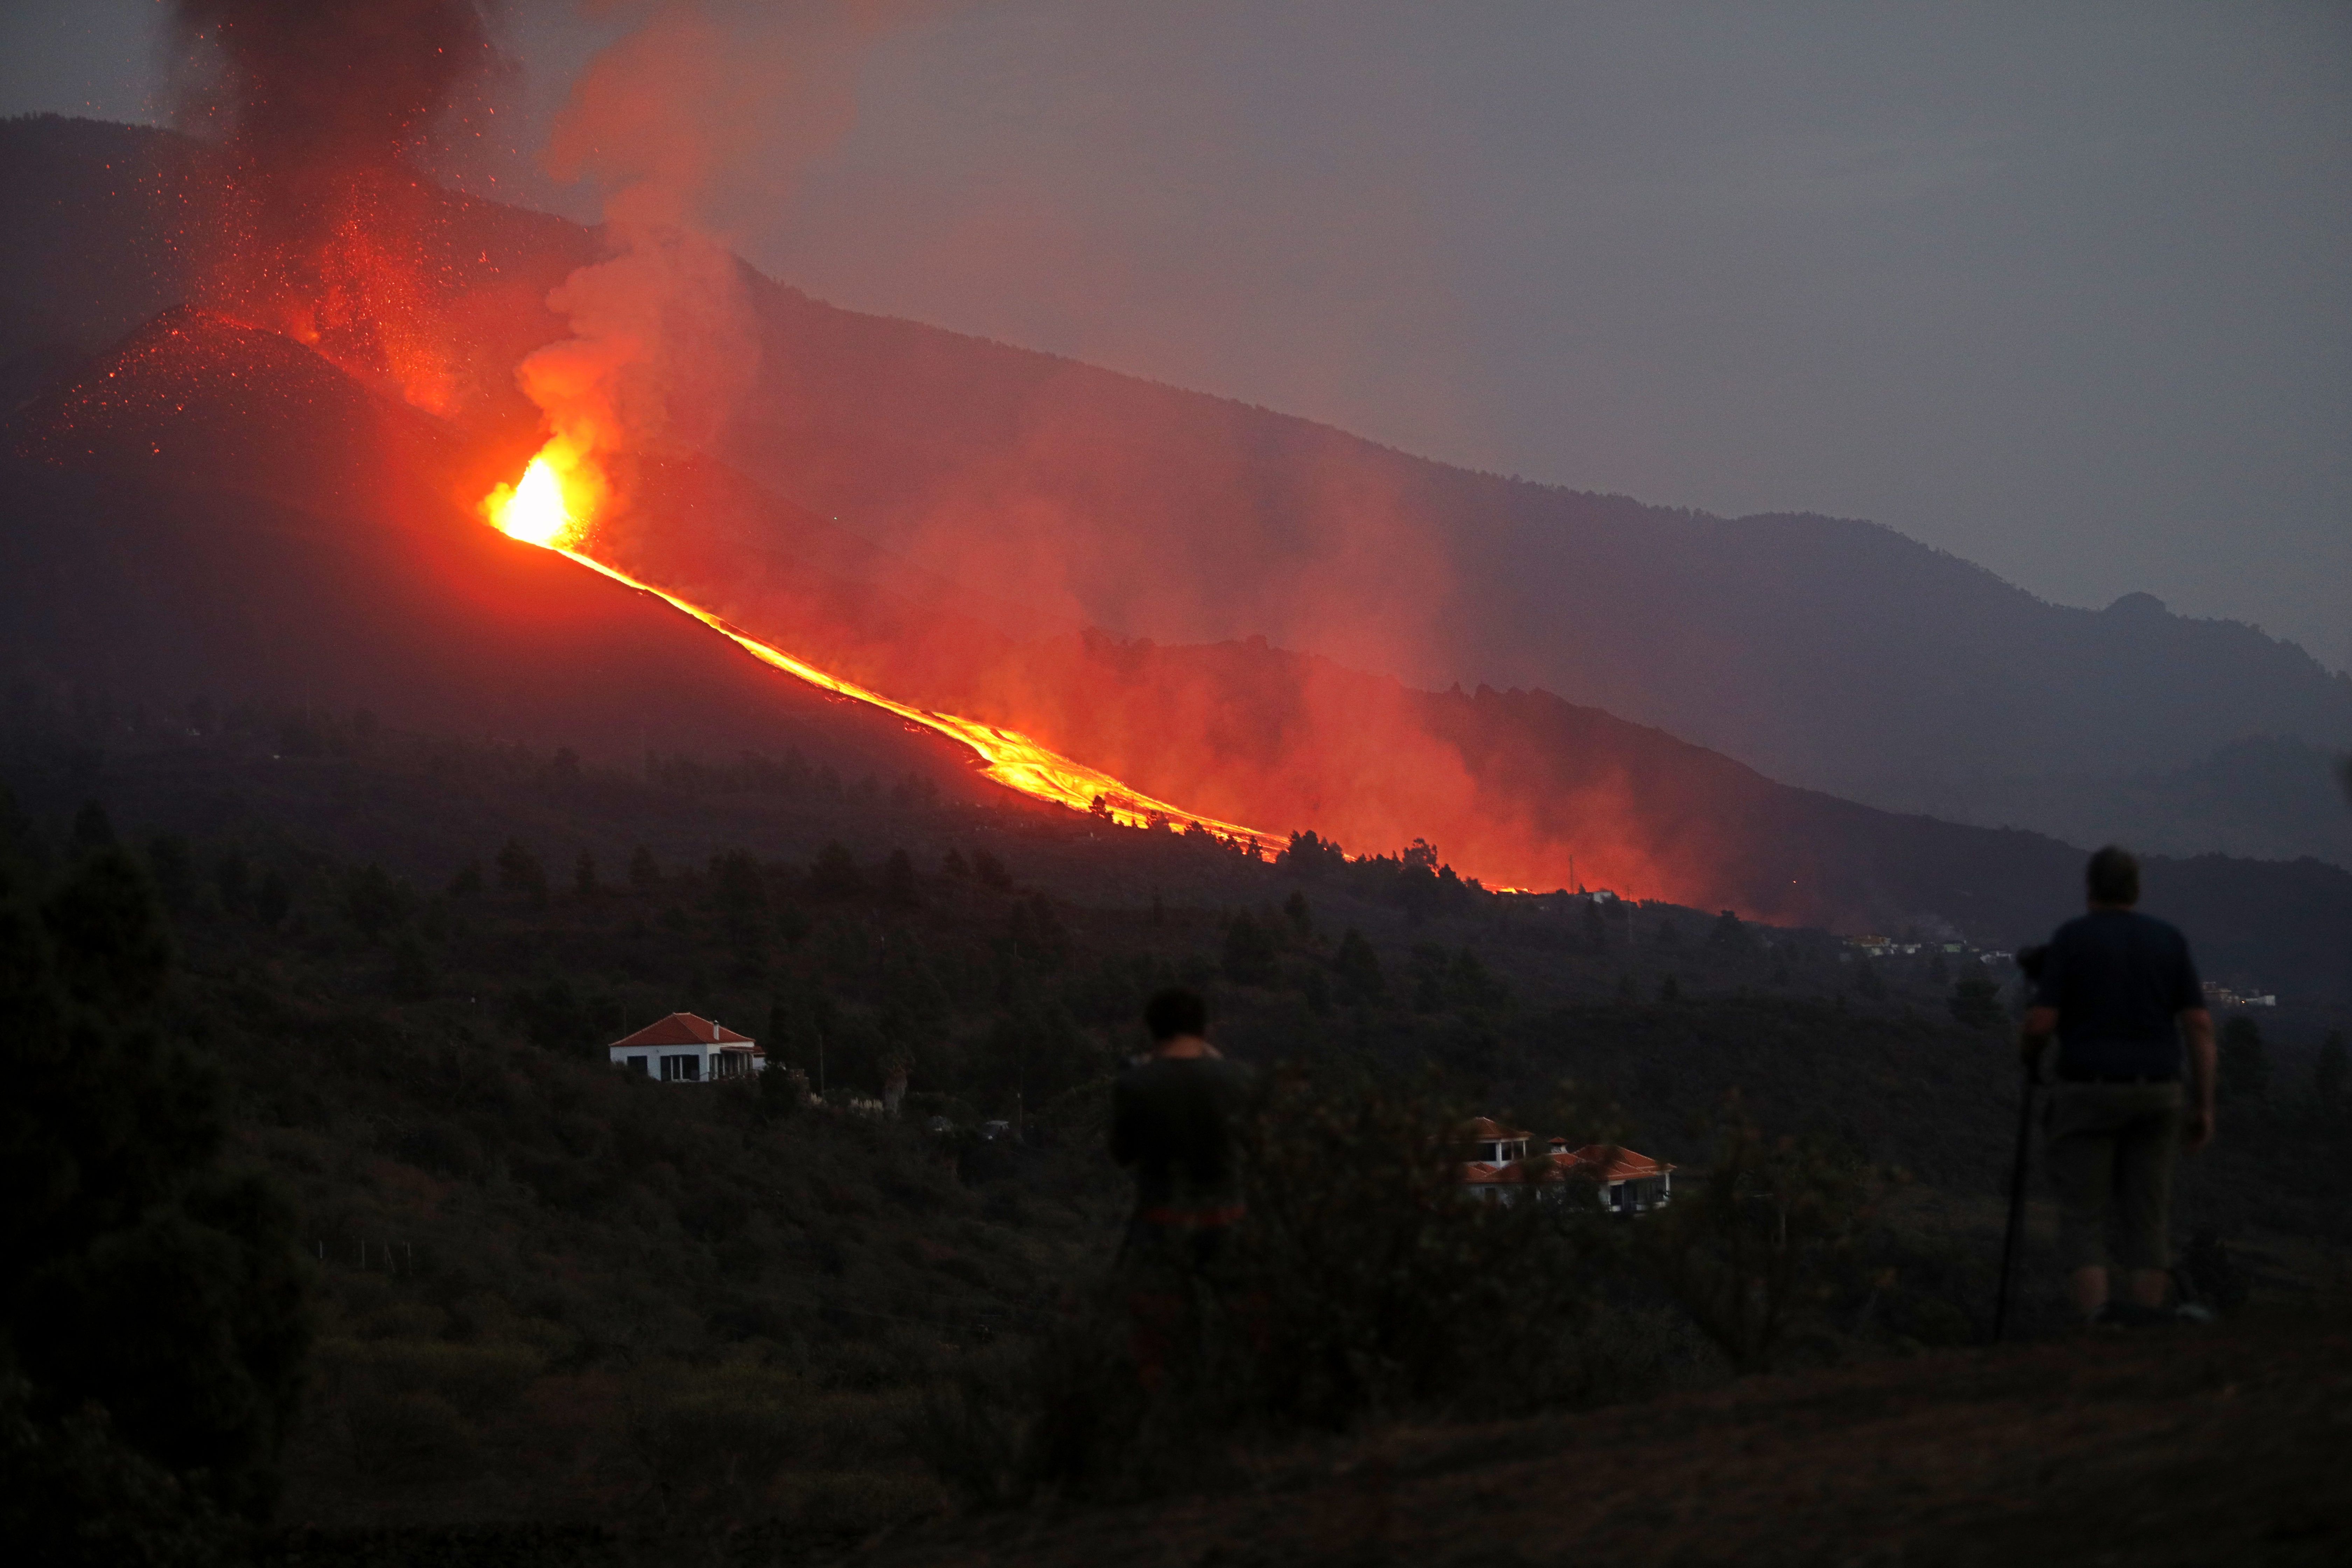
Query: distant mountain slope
x=1826, y=652
x=1829, y=653
x=213, y=512
x=209, y=510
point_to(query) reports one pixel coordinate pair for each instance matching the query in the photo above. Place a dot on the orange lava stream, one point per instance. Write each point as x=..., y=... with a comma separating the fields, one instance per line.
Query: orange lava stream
x=535, y=510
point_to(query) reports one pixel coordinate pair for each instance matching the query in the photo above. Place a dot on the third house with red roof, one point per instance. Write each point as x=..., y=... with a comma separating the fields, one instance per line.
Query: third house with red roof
x=1499, y=1169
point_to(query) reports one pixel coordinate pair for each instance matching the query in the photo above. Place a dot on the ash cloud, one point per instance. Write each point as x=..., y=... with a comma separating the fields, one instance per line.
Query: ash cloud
x=321, y=106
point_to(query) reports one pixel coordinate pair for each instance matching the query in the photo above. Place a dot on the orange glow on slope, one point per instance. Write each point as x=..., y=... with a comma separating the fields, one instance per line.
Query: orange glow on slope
x=551, y=505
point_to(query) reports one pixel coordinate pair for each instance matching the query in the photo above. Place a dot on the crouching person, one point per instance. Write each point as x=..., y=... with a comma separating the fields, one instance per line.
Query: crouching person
x=2119, y=990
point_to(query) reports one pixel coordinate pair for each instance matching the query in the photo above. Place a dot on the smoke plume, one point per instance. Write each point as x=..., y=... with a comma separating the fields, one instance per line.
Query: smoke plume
x=319, y=106
x=664, y=343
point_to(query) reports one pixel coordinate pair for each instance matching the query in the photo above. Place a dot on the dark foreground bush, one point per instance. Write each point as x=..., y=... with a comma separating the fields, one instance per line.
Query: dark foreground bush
x=1363, y=1285
x=1754, y=1252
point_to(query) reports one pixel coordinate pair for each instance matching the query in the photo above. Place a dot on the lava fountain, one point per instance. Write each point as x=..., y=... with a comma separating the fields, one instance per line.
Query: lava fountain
x=558, y=496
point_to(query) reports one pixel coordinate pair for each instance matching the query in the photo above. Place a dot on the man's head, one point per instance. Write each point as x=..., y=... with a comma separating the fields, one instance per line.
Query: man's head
x=2112, y=878
x=1176, y=1013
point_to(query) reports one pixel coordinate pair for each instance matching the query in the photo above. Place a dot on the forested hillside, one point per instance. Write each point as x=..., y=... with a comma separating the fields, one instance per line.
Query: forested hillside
x=543, y=1291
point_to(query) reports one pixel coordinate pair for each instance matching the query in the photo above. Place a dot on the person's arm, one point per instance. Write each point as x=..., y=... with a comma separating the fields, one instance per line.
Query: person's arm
x=2041, y=1023
x=2197, y=1028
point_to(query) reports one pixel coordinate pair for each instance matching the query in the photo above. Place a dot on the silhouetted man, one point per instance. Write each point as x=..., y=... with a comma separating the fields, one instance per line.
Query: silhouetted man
x=2119, y=990
x=1172, y=1122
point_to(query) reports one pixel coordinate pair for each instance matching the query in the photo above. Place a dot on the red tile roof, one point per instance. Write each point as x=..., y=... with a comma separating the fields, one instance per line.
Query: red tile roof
x=1602, y=1161
x=1612, y=1162
x=1486, y=1129
x=685, y=1029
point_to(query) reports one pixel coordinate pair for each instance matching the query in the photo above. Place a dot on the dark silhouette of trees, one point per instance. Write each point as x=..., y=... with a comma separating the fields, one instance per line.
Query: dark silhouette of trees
x=520, y=872
x=91, y=830
x=1976, y=1002
x=2245, y=1068
x=1250, y=956
x=273, y=901
x=1358, y=968
x=899, y=889
x=834, y=873
x=373, y=902
x=154, y=1321
x=174, y=868
x=1728, y=935
x=2327, y=1074
x=644, y=872
x=232, y=878
x=739, y=889
x=1308, y=856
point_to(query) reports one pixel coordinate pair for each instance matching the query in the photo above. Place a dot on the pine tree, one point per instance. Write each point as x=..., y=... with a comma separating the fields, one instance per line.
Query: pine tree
x=1358, y=968
x=899, y=887
x=152, y=1303
x=2327, y=1075
x=1250, y=958
x=521, y=873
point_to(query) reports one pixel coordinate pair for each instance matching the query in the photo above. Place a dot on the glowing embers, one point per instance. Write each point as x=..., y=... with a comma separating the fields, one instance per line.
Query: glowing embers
x=557, y=498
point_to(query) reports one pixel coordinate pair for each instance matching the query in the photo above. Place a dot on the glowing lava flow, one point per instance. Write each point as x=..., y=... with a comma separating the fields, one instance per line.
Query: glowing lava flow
x=540, y=509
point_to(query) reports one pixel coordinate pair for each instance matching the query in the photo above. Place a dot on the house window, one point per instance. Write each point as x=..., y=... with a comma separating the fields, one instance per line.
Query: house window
x=640, y=1065
x=681, y=1069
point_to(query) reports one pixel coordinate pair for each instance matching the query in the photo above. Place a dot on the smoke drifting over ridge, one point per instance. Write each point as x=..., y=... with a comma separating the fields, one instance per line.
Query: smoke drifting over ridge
x=663, y=344
x=664, y=350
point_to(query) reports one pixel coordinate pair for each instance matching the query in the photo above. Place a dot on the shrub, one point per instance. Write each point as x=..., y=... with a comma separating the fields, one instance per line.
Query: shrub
x=1362, y=1283
x=1750, y=1248
x=1976, y=1002
x=2245, y=1068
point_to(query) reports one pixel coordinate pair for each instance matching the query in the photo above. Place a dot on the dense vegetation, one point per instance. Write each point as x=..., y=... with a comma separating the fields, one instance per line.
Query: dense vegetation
x=539, y=1290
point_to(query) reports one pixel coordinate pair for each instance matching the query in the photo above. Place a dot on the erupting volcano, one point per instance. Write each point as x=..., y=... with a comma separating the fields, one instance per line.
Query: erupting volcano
x=552, y=504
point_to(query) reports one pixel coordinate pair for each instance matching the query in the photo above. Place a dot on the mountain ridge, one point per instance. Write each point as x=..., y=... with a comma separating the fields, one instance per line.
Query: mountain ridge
x=1833, y=654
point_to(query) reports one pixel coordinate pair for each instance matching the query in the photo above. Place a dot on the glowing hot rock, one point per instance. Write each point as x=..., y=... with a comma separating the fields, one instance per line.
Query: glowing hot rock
x=533, y=510
x=553, y=505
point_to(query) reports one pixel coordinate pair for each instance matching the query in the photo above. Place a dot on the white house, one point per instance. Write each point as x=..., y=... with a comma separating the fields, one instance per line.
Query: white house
x=686, y=1048
x=1493, y=1143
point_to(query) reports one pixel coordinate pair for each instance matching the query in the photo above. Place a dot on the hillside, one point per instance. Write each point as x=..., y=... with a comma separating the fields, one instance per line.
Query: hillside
x=543, y=1295
x=215, y=513
x=2174, y=1453
x=209, y=513
x=1824, y=653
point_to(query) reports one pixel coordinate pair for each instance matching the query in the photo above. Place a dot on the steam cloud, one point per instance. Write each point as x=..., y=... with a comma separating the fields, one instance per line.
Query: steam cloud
x=664, y=343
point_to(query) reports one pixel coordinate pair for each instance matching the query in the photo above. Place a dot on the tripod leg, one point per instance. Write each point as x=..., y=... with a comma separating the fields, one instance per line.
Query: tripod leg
x=2013, y=1234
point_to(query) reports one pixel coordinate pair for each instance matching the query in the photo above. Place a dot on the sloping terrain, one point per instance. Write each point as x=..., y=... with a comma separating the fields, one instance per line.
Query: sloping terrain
x=2173, y=1448
x=213, y=512
x=1827, y=652
x=210, y=511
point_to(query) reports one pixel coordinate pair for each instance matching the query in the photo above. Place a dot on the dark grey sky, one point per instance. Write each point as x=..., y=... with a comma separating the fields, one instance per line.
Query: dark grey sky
x=2063, y=290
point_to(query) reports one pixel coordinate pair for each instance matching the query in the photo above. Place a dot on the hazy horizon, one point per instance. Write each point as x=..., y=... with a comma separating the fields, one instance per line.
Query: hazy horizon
x=2059, y=295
